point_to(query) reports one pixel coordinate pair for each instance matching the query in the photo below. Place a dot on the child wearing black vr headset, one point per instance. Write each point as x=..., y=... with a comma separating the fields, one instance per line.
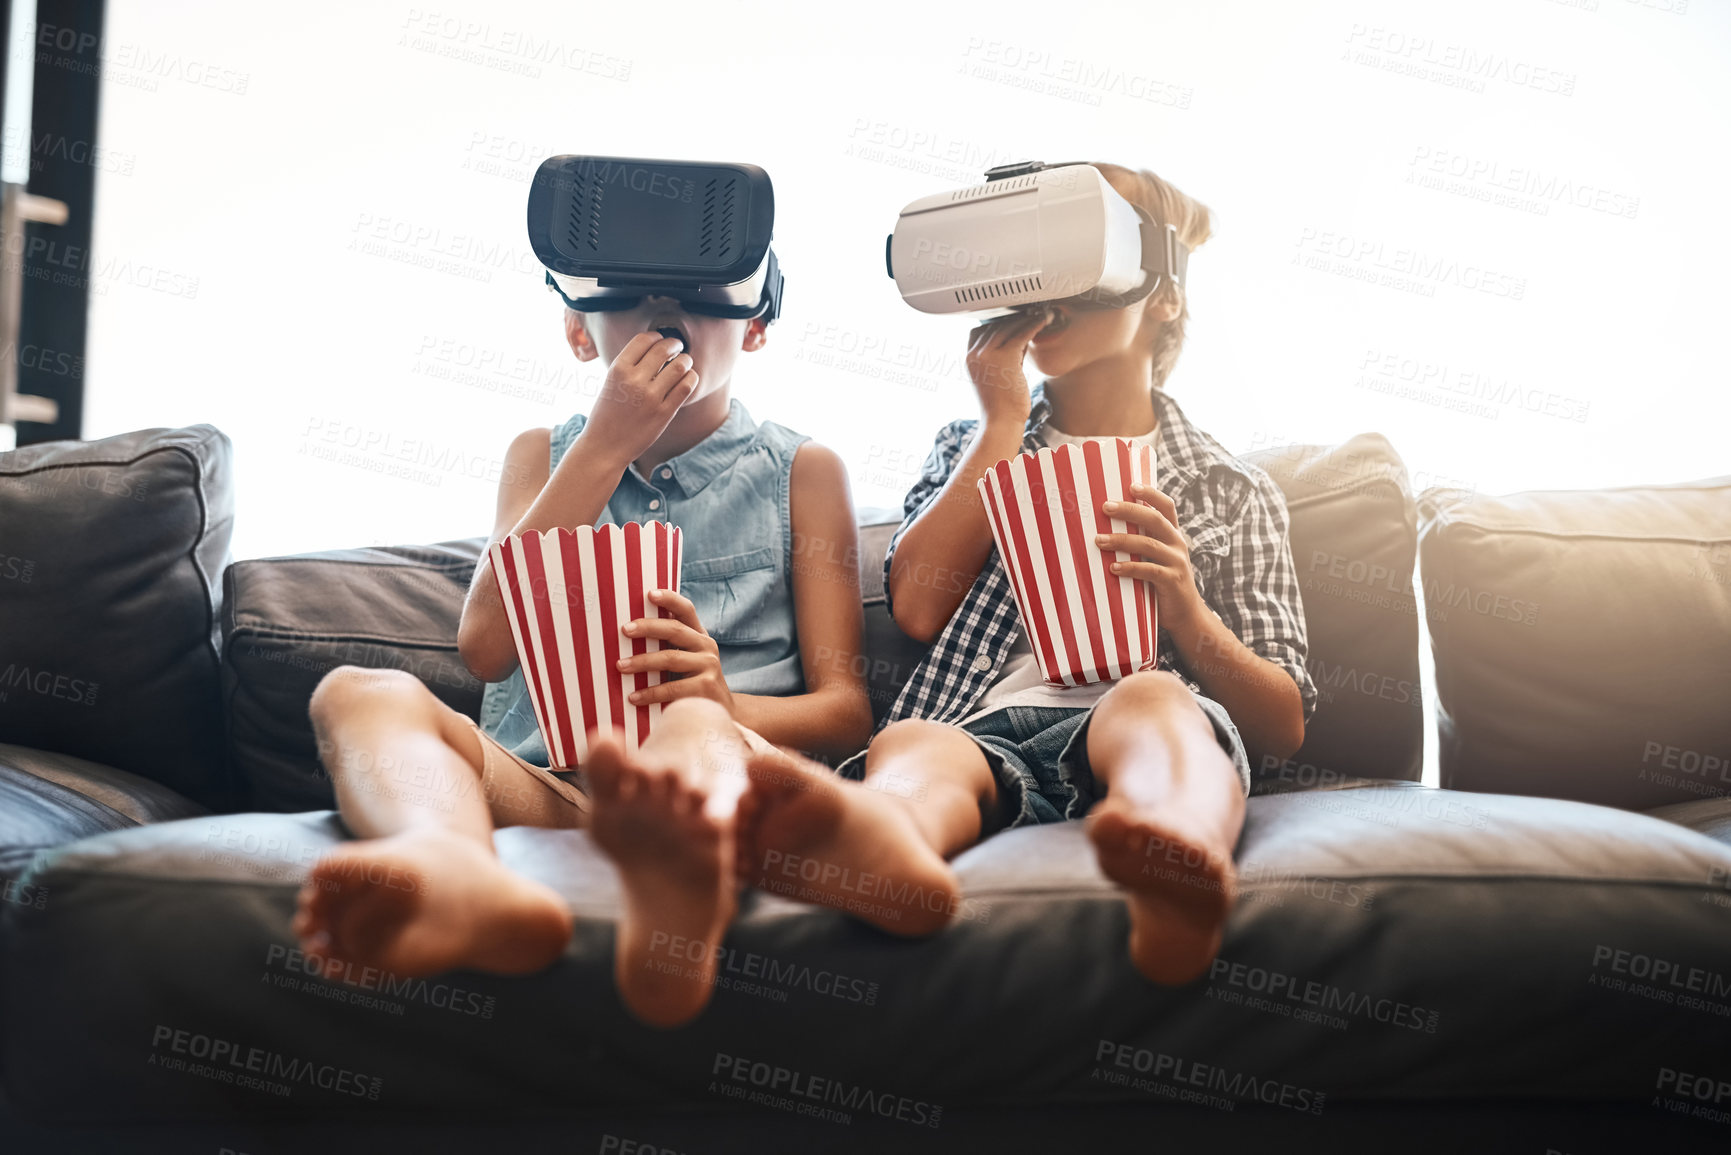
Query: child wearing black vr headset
x=1159, y=761
x=665, y=271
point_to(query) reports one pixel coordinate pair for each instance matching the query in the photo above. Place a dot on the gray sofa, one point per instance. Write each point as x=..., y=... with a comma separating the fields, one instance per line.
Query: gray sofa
x=1535, y=957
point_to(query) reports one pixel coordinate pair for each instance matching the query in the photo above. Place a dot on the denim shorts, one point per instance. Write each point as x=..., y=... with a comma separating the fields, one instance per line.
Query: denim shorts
x=1039, y=756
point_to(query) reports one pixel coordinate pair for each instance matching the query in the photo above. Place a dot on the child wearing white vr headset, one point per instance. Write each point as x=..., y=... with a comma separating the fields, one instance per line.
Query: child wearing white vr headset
x=1091, y=261
x=665, y=272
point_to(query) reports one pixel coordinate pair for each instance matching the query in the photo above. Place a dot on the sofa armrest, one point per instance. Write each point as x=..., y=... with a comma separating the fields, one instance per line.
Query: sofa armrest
x=111, y=555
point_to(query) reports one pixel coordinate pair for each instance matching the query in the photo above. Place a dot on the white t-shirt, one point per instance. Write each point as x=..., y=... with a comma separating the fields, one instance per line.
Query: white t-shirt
x=1019, y=681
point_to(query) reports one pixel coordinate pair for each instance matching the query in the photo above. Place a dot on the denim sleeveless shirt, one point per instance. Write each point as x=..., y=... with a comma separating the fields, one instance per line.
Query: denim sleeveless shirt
x=728, y=494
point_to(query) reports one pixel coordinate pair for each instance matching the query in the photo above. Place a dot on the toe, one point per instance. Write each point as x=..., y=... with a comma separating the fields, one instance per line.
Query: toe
x=687, y=801
x=305, y=917
x=1106, y=827
x=306, y=904
x=604, y=767
x=603, y=785
x=762, y=770
x=628, y=785
x=773, y=778
x=317, y=892
x=659, y=786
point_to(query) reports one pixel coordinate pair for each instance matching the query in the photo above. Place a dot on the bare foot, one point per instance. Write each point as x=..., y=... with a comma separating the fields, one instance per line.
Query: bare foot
x=427, y=901
x=1179, y=889
x=808, y=835
x=676, y=863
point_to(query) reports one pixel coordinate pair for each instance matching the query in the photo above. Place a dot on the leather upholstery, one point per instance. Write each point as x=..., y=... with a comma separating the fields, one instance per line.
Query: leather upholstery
x=48, y=800
x=891, y=656
x=1583, y=641
x=289, y=620
x=1405, y=943
x=110, y=565
x=1354, y=541
x=1393, y=945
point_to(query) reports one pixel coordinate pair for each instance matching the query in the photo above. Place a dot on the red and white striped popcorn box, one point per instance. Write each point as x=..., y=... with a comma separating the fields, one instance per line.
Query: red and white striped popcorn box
x=1085, y=624
x=568, y=593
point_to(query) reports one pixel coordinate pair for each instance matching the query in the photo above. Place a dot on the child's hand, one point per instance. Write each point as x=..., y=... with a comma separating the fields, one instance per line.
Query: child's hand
x=645, y=387
x=687, y=653
x=1165, y=554
x=995, y=354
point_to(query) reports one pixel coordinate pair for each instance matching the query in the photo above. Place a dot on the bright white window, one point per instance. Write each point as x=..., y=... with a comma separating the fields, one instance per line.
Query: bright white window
x=1495, y=233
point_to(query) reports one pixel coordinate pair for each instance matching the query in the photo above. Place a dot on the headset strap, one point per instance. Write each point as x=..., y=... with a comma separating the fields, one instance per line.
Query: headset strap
x=768, y=304
x=1163, y=254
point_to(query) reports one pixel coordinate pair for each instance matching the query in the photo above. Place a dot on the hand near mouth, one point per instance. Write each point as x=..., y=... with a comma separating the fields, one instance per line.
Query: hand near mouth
x=669, y=329
x=1057, y=320
x=996, y=350
x=1046, y=314
x=646, y=384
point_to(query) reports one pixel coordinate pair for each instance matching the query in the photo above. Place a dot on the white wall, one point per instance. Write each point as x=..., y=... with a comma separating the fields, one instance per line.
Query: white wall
x=253, y=154
x=310, y=225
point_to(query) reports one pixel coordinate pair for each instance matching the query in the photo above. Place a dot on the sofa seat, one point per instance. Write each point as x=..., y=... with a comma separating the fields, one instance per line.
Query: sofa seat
x=1392, y=942
x=49, y=799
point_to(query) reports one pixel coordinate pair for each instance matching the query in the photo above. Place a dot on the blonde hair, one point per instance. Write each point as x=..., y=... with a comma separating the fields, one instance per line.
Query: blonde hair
x=1161, y=200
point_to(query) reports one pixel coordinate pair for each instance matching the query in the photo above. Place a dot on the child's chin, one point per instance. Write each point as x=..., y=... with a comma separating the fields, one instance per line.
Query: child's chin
x=704, y=389
x=1049, y=361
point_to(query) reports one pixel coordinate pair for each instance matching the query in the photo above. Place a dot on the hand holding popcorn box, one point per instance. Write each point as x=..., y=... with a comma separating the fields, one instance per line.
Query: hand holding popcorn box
x=1084, y=623
x=568, y=594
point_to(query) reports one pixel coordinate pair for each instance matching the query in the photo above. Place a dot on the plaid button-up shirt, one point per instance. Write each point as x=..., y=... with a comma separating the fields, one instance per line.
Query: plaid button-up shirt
x=1231, y=513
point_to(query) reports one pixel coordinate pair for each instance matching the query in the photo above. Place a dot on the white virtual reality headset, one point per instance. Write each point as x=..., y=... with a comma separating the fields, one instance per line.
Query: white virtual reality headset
x=613, y=230
x=1032, y=233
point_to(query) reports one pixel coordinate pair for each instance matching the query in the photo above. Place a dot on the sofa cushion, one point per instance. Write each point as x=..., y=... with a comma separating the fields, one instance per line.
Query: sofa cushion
x=1583, y=640
x=288, y=621
x=1709, y=816
x=890, y=656
x=49, y=799
x=1390, y=943
x=111, y=556
x=1354, y=538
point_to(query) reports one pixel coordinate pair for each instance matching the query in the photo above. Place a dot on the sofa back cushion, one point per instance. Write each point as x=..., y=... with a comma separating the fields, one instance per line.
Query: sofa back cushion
x=290, y=620
x=1353, y=533
x=1354, y=540
x=111, y=556
x=1582, y=641
x=890, y=657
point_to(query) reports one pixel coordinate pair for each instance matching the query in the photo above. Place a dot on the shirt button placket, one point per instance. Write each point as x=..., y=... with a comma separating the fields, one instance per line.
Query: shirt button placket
x=662, y=473
x=657, y=504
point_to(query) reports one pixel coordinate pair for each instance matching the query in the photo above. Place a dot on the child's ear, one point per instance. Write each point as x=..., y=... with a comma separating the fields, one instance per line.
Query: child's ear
x=756, y=333
x=577, y=336
x=1164, y=304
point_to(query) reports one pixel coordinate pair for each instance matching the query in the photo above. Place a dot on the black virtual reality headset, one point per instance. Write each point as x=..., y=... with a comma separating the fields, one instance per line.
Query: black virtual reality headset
x=613, y=230
x=1033, y=233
